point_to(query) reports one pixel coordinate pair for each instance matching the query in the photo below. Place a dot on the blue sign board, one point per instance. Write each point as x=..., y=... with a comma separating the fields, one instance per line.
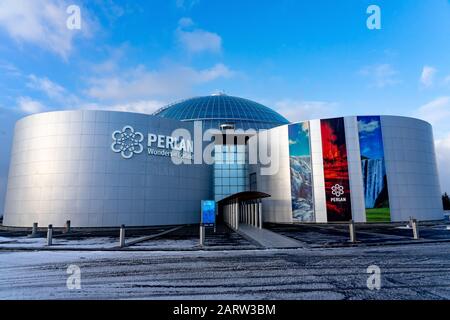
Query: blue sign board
x=208, y=212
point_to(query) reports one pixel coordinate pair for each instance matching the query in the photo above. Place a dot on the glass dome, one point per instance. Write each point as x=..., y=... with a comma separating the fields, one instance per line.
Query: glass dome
x=219, y=109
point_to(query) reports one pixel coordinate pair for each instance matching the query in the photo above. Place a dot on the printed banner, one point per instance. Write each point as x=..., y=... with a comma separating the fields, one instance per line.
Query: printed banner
x=301, y=174
x=373, y=169
x=335, y=166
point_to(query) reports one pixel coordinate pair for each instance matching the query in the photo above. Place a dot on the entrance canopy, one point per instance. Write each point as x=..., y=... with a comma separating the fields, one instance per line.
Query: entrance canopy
x=245, y=207
x=244, y=196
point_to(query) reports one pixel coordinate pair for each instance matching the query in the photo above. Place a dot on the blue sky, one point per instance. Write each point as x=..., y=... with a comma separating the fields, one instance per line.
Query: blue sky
x=306, y=59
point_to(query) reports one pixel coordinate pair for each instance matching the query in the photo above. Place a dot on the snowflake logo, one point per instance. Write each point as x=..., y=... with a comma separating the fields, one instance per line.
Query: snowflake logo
x=127, y=142
x=337, y=190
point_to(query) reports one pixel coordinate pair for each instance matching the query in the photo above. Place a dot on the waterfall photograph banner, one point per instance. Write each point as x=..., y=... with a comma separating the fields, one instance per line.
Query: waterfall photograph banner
x=373, y=169
x=335, y=166
x=301, y=174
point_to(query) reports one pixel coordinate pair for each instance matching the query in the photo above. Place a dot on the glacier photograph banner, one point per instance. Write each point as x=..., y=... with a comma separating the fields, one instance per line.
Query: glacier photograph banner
x=335, y=166
x=373, y=169
x=301, y=173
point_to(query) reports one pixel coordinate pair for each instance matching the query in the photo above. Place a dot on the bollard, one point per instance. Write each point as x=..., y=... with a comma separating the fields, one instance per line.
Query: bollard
x=352, y=231
x=34, y=230
x=49, y=235
x=122, y=236
x=202, y=235
x=67, y=229
x=415, y=228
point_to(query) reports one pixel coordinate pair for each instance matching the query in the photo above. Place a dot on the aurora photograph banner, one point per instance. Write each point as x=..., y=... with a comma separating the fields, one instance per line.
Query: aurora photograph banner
x=301, y=173
x=335, y=166
x=373, y=169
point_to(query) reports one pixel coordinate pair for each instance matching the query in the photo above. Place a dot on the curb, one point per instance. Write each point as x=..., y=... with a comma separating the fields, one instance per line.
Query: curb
x=126, y=249
x=361, y=244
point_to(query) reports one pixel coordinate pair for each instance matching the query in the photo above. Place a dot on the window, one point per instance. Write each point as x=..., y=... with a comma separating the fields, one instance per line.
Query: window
x=230, y=173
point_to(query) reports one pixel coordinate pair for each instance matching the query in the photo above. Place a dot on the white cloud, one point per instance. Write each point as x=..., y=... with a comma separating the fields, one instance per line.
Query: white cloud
x=28, y=105
x=55, y=92
x=112, y=63
x=42, y=23
x=111, y=10
x=197, y=40
x=217, y=71
x=447, y=80
x=140, y=83
x=381, y=75
x=140, y=106
x=50, y=88
x=185, y=22
x=437, y=111
x=186, y=4
x=67, y=100
x=427, y=76
x=9, y=69
x=296, y=111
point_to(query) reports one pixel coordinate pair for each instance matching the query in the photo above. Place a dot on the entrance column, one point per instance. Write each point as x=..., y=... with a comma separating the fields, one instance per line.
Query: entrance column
x=240, y=214
x=255, y=208
x=225, y=209
x=251, y=214
x=245, y=212
x=237, y=214
x=257, y=213
x=229, y=215
x=254, y=213
x=232, y=215
x=260, y=213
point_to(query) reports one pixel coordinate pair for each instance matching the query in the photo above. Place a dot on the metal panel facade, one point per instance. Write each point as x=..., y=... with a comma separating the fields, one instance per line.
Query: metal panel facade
x=62, y=168
x=410, y=165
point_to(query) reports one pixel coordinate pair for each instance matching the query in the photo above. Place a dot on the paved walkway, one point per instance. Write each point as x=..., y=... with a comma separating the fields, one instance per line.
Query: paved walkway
x=266, y=238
